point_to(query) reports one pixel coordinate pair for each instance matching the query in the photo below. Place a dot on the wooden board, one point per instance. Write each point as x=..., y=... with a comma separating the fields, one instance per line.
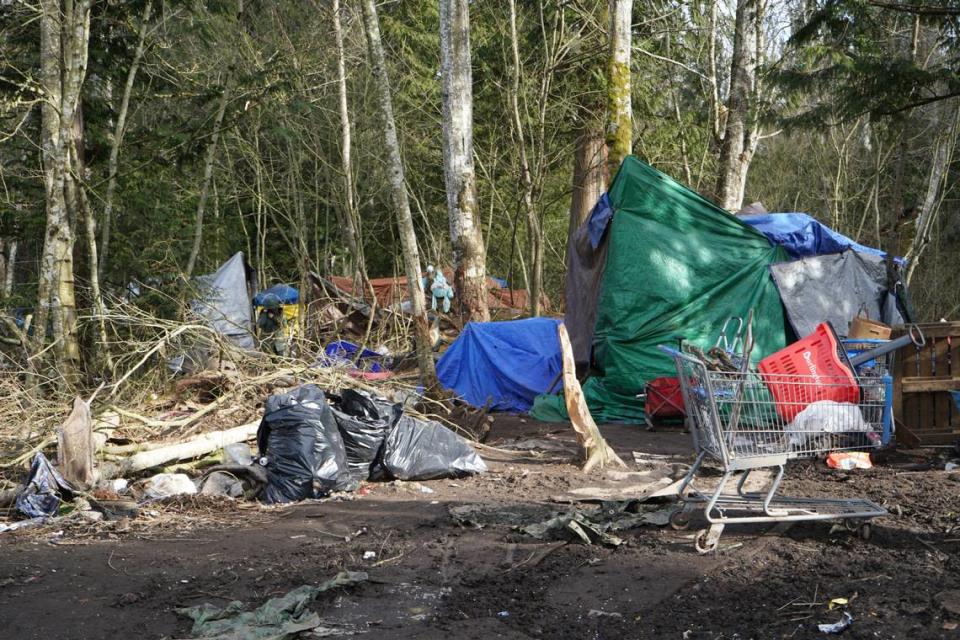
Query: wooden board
x=923, y=378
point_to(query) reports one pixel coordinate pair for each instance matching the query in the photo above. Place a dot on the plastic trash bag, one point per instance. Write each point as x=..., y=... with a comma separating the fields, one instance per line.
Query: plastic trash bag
x=422, y=450
x=164, y=485
x=304, y=453
x=364, y=421
x=41, y=497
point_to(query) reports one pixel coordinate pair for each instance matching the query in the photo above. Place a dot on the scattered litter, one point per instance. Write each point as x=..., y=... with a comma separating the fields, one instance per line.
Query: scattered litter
x=503, y=614
x=837, y=627
x=41, y=496
x=949, y=600
x=278, y=618
x=849, y=460
x=119, y=485
x=837, y=602
x=478, y=516
x=950, y=466
x=164, y=485
x=369, y=555
x=22, y=524
x=221, y=483
x=592, y=527
x=949, y=625
x=597, y=613
x=424, y=489
x=237, y=453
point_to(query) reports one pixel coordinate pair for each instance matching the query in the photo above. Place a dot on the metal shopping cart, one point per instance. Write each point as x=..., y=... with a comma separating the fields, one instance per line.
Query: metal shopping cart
x=746, y=420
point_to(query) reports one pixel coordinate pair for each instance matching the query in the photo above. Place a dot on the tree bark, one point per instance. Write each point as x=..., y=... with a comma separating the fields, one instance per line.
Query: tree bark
x=207, y=179
x=9, y=274
x=619, y=106
x=466, y=236
x=942, y=154
x=589, y=175
x=736, y=149
x=351, y=218
x=117, y=139
x=401, y=202
x=534, y=231
x=64, y=37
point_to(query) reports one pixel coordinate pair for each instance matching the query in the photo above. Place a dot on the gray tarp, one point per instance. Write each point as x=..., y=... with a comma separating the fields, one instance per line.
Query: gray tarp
x=834, y=287
x=224, y=301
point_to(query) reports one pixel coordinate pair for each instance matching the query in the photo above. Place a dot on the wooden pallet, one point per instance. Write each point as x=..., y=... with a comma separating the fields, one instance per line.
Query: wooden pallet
x=922, y=381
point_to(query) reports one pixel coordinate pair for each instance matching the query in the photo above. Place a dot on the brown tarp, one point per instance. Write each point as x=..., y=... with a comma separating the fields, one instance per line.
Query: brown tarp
x=585, y=266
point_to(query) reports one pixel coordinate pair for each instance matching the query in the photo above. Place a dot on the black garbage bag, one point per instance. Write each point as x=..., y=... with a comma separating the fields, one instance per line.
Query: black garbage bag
x=364, y=421
x=304, y=453
x=425, y=450
x=45, y=487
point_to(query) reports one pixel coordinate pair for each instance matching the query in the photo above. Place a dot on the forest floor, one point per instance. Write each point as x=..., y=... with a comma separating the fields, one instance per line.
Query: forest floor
x=432, y=578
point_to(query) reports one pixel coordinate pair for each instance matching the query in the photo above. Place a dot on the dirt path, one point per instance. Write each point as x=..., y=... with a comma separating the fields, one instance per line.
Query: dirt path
x=433, y=579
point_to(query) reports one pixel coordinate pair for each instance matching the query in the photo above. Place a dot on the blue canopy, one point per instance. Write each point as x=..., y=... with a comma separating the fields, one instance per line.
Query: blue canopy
x=283, y=292
x=803, y=236
x=507, y=363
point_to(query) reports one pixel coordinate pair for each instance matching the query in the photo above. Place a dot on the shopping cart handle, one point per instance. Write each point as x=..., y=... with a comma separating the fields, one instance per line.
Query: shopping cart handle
x=670, y=351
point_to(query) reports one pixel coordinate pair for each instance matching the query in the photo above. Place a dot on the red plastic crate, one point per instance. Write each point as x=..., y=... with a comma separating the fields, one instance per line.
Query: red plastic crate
x=811, y=369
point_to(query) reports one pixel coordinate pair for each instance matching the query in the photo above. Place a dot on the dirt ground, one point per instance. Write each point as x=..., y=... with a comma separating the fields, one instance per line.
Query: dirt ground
x=434, y=579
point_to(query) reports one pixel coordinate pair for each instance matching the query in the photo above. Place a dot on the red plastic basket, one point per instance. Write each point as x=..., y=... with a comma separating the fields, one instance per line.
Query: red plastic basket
x=812, y=369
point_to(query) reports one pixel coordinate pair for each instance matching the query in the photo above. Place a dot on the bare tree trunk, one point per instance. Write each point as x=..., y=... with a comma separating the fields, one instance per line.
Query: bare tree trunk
x=466, y=236
x=401, y=203
x=351, y=218
x=99, y=311
x=118, y=131
x=735, y=149
x=207, y=179
x=942, y=154
x=64, y=36
x=589, y=175
x=534, y=232
x=619, y=107
x=10, y=273
x=712, y=78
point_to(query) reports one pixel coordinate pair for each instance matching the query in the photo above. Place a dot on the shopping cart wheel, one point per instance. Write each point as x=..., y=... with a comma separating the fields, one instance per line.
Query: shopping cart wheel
x=680, y=519
x=707, y=540
x=862, y=529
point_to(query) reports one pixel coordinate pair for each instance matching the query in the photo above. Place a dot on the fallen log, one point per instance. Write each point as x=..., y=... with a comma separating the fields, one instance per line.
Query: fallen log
x=596, y=450
x=199, y=446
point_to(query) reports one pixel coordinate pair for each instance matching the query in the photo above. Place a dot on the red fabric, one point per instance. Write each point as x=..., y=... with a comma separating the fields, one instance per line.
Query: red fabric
x=664, y=398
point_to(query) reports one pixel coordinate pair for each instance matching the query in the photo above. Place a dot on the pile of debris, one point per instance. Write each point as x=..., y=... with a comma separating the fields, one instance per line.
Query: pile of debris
x=310, y=444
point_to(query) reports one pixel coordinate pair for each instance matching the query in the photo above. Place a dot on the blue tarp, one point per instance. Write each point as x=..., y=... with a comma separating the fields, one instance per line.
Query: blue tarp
x=509, y=363
x=343, y=352
x=802, y=236
x=283, y=292
x=600, y=216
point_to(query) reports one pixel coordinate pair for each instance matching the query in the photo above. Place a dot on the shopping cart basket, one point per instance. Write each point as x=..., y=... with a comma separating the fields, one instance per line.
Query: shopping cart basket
x=735, y=421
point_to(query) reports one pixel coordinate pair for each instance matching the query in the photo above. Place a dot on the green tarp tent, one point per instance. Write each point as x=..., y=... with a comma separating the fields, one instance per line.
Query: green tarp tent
x=656, y=262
